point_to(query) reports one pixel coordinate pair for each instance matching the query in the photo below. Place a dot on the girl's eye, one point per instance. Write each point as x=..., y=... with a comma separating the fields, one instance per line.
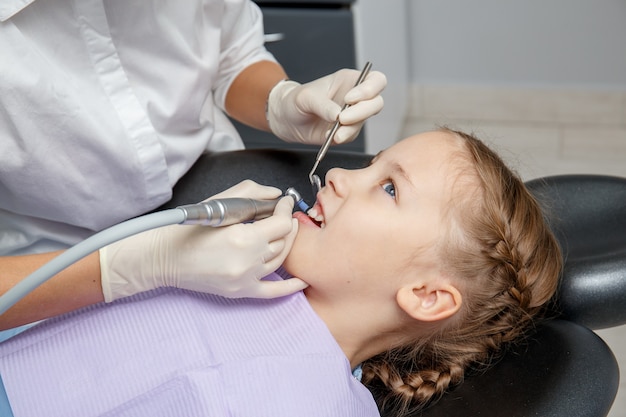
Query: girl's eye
x=389, y=188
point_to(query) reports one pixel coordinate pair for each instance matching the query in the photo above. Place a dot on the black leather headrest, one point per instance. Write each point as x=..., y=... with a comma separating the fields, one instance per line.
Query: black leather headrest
x=588, y=215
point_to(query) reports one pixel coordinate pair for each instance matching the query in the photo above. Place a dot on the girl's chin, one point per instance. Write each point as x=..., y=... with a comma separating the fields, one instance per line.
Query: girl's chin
x=288, y=264
x=296, y=263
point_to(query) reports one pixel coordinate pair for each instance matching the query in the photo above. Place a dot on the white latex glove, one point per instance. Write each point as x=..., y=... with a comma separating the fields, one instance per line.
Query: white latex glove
x=227, y=261
x=305, y=113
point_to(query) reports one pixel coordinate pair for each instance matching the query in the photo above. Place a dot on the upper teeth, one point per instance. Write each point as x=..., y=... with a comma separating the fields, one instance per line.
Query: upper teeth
x=318, y=217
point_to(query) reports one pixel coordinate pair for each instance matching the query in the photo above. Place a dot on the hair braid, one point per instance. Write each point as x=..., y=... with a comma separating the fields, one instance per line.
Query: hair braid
x=501, y=251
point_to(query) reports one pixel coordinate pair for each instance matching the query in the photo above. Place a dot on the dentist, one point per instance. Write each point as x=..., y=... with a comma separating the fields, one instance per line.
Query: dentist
x=104, y=105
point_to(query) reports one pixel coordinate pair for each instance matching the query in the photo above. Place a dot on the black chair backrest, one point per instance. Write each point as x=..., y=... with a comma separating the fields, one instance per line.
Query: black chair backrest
x=563, y=369
x=588, y=215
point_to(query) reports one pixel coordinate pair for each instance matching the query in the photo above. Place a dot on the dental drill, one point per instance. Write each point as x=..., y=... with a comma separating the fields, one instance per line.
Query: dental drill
x=300, y=203
x=214, y=213
x=227, y=211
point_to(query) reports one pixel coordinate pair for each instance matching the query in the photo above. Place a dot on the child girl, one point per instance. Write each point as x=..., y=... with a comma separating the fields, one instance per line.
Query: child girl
x=420, y=266
x=429, y=261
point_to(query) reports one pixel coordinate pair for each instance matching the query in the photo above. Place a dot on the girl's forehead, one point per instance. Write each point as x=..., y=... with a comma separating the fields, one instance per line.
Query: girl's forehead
x=437, y=162
x=429, y=148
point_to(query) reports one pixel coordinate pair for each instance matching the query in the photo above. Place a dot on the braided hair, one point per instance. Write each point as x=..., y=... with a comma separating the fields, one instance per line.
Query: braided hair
x=502, y=255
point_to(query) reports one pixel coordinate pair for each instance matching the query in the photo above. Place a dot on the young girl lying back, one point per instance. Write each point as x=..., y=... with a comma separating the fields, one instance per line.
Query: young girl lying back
x=420, y=266
x=429, y=260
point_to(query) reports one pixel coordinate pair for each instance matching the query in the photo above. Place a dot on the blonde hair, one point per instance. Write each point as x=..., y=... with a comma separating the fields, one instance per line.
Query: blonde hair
x=507, y=262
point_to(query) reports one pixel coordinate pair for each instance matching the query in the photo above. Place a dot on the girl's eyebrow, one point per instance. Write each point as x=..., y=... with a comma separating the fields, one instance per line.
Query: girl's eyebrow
x=395, y=167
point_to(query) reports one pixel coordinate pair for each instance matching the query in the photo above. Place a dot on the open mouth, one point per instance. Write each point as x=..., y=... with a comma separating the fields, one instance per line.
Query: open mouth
x=306, y=219
x=316, y=216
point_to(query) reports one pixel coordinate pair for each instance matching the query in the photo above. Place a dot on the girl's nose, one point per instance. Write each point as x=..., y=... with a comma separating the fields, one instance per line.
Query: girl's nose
x=338, y=180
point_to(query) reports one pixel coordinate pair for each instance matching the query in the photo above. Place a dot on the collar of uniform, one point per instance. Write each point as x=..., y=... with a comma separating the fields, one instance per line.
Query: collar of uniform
x=9, y=8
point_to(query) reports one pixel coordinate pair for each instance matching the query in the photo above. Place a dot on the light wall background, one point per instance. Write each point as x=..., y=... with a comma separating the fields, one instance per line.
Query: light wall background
x=538, y=43
x=544, y=82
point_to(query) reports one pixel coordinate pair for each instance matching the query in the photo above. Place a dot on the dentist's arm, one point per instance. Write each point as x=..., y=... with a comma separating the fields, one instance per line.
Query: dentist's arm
x=247, y=96
x=75, y=287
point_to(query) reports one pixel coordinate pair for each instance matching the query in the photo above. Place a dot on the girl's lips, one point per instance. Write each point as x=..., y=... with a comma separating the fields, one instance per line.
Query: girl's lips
x=304, y=219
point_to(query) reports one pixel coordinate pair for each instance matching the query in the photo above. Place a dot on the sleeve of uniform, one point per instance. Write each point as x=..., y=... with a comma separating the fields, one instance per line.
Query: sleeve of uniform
x=242, y=44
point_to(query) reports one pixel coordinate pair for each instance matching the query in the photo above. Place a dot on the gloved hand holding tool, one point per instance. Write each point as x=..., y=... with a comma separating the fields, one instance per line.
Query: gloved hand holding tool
x=304, y=113
x=228, y=261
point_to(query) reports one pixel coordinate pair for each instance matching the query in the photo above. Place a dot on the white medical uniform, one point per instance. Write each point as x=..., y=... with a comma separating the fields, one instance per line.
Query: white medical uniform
x=104, y=105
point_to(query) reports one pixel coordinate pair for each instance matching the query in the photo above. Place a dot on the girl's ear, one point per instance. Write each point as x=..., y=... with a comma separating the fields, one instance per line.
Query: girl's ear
x=429, y=302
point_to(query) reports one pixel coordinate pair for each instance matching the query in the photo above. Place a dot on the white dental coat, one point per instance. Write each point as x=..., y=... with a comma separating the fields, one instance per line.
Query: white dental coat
x=105, y=104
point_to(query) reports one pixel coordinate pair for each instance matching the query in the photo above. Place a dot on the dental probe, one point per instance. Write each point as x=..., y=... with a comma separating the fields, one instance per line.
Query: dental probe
x=314, y=179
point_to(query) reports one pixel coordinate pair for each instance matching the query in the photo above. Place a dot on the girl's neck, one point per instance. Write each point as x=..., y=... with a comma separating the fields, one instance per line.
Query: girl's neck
x=360, y=332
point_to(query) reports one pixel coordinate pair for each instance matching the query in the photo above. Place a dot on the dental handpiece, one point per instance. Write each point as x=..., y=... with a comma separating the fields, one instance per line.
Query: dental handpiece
x=297, y=198
x=227, y=211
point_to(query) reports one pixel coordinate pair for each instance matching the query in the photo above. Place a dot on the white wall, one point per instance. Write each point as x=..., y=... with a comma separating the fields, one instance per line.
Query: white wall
x=543, y=80
x=382, y=38
x=541, y=43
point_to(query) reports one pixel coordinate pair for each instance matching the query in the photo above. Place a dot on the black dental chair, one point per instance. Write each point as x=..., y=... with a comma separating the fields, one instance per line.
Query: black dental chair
x=564, y=369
